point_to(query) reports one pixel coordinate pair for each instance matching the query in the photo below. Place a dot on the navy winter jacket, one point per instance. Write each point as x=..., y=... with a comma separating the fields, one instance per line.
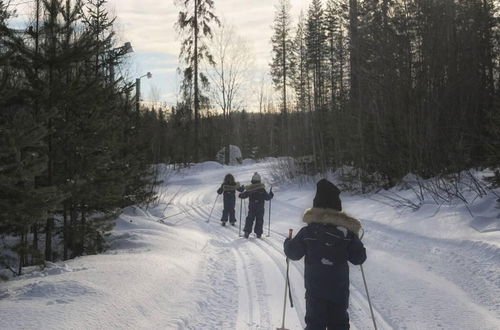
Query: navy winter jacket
x=328, y=241
x=257, y=195
x=229, y=191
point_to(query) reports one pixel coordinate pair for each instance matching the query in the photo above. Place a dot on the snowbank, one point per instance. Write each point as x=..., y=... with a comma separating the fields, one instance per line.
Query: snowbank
x=206, y=166
x=248, y=161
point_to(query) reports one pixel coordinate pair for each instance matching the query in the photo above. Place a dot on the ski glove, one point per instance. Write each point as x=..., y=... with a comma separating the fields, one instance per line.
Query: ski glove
x=271, y=195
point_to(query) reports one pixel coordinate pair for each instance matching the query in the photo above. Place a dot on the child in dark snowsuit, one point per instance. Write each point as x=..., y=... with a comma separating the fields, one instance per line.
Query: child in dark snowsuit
x=329, y=240
x=258, y=195
x=228, y=188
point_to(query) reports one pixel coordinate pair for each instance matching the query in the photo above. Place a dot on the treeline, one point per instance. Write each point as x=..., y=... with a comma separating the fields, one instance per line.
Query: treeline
x=386, y=87
x=70, y=158
x=170, y=134
x=394, y=87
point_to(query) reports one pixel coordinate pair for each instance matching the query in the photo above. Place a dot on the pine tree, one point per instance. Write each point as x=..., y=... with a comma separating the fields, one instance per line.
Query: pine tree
x=23, y=158
x=194, y=23
x=282, y=65
x=317, y=59
x=70, y=136
x=23, y=151
x=302, y=86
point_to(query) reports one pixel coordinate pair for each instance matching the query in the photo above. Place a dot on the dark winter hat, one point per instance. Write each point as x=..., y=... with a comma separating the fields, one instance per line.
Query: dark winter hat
x=327, y=195
x=256, y=178
x=229, y=179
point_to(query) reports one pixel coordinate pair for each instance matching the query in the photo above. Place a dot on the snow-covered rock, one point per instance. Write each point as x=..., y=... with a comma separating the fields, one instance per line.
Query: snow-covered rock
x=234, y=155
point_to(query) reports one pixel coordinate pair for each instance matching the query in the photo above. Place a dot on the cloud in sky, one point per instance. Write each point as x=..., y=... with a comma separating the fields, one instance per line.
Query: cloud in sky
x=149, y=26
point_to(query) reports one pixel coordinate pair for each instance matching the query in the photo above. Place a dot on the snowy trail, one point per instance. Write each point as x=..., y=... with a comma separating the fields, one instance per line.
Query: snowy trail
x=448, y=259
x=184, y=273
x=254, y=265
x=264, y=255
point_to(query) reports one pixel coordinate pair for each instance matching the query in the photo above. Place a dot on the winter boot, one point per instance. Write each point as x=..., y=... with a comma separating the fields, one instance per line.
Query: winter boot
x=246, y=234
x=233, y=223
x=259, y=235
x=223, y=223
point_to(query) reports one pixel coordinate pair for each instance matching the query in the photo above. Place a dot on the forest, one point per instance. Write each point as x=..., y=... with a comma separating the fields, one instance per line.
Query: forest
x=70, y=157
x=383, y=87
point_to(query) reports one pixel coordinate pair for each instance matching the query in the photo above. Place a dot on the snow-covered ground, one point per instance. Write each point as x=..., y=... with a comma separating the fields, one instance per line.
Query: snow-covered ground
x=170, y=269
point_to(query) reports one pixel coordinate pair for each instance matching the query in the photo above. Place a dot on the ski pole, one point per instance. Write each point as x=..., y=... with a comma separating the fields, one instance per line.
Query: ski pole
x=287, y=282
x=241, y=209
x=368, y=296
x=366, y=288
x=269, y=225
x=212, y=208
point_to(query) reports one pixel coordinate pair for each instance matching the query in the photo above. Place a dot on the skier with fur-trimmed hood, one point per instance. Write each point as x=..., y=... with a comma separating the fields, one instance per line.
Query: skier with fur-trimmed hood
x=257, y=194
x=329, y=240
x=229, y=188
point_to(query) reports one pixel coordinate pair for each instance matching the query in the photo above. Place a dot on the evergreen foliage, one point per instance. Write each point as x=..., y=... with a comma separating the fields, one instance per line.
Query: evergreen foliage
x=194, y=24
x=282, y=65
x=385, y=87
x=70, y=153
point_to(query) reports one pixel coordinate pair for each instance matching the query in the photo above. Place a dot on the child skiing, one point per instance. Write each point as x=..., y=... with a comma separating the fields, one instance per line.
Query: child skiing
x=329, y=240
x=228, y=188
x=257, y=195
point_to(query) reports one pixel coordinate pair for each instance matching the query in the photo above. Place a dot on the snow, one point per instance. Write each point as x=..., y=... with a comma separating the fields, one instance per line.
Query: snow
x=436, y=268
x=248, y=161
x=206, y=166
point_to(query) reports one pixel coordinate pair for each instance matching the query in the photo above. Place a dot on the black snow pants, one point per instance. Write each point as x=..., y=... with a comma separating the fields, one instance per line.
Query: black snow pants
x=322, y=314
x=257, y=215
x=228, y=213
x=229, y=204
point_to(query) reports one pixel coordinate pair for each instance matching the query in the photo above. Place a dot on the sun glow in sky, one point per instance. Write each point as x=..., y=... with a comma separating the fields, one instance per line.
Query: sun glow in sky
x=150, y=27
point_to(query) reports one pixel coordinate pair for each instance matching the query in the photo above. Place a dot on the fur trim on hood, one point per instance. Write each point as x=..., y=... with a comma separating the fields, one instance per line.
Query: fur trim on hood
x=332, y=217
x=228, y=187
x=254, y=186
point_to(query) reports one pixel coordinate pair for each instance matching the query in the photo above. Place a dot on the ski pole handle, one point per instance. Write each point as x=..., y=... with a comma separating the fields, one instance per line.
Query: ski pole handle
x=290, y=231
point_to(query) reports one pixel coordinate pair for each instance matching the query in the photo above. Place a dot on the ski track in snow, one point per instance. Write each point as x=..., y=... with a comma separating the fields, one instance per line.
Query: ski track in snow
x=440, y=265
x=252, y=255
x=415, y=282
x=225, y=302
x=388, y=257
x=258, y=316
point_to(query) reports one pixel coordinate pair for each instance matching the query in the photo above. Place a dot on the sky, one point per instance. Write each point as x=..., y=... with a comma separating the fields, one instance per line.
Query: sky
x=149, y=25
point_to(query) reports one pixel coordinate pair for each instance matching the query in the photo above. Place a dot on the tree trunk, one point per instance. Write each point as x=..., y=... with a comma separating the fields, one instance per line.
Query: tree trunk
x=196, y=92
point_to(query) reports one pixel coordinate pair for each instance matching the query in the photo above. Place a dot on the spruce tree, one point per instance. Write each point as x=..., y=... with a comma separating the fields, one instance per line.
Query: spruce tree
x=302, y=85
x=194, y=24
x=282, y=65
x=23, y=150
x=317, y=59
